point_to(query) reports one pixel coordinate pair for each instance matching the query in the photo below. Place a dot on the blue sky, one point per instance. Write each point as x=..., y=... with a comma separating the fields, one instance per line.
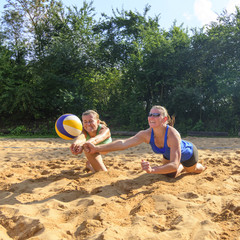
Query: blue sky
x=192, y=13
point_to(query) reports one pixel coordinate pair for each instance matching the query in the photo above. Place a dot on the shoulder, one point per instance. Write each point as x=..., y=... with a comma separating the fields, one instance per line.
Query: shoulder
x=173, y=135
x=173, y=131
x=145, y=135
x=103, y=127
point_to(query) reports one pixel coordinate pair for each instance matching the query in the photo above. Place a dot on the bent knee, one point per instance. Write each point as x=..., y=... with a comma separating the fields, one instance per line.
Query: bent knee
x=191, y=169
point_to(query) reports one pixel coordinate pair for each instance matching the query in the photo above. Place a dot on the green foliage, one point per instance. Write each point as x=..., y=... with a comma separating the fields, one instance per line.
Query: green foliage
x=56, y=60
x=199, y=126
x=19, y=130
x=185, y=103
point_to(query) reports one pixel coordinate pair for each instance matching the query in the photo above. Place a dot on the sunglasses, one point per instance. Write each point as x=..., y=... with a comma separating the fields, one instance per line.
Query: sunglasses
x=154, y=114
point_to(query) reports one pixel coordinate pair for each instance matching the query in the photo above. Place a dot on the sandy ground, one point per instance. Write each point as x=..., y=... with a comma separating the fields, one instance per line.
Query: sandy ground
x=46, y=195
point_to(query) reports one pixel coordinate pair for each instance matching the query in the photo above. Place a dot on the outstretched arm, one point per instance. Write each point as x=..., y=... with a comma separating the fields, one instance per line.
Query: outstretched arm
x=103, y=135
x=116, y=145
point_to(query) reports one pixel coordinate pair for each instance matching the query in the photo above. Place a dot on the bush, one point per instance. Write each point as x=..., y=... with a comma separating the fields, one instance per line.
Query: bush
x=199, y=126
x=19, y=130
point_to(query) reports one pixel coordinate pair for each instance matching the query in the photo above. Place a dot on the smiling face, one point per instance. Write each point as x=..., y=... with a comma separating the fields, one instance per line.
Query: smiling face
x=156, y=117
x=90, y=123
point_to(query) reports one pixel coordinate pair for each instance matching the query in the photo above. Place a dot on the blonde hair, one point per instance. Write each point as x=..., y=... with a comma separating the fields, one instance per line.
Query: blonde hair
x=164, y=112
x=96, y=115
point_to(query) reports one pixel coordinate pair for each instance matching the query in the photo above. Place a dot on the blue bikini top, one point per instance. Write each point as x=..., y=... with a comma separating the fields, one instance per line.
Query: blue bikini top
x=186, y=147
x=165, y=149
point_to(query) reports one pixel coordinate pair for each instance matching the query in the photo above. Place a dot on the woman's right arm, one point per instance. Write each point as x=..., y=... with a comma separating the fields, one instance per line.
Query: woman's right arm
x=122, y=144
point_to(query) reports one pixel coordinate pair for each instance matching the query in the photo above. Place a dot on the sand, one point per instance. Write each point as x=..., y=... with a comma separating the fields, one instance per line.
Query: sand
x=46, y=195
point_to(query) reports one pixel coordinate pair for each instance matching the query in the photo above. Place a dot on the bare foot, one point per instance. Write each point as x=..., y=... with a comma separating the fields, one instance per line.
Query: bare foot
x=204, y=168
x=200, y=168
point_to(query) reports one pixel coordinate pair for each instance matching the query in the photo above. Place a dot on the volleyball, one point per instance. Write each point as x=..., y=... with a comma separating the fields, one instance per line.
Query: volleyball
x=68, y=126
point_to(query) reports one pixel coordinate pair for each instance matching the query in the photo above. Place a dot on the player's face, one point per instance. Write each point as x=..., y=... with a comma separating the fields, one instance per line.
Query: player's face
x=155, y=118
x=90, y=123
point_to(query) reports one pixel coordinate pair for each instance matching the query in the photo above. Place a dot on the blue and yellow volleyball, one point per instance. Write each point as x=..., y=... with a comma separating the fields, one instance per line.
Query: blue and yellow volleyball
x=68, y=126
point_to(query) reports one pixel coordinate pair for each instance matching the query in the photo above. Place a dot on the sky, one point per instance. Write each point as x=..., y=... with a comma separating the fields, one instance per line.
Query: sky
x=190, y=13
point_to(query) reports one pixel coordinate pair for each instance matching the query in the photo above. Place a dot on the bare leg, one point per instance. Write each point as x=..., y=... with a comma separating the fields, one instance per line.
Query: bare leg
x=196, y=168
x=95, y=162
x=89, y=167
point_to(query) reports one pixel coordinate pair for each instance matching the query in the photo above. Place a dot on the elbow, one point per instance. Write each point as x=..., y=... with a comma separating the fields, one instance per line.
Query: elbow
x=174, y=167
x=173, y=171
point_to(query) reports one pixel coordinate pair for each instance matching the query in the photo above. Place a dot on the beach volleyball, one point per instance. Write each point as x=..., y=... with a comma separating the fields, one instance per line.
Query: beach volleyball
x=68, y=126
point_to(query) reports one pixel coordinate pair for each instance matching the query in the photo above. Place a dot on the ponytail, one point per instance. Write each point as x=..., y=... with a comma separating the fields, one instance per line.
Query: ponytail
x=171, y=120
x=102, y=122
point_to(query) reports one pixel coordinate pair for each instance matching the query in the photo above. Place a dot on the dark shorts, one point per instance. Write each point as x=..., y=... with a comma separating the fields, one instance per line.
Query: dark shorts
x=192, y=160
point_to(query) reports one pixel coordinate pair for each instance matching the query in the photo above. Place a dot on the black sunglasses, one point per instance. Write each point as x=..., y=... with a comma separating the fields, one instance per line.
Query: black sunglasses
x=154, y=114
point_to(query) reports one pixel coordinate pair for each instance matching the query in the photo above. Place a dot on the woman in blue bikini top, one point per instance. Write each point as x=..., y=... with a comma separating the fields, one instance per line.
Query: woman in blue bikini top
x=164, y=139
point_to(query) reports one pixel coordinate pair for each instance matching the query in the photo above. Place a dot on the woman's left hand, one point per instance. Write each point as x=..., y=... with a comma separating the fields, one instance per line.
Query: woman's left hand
x=146, y=166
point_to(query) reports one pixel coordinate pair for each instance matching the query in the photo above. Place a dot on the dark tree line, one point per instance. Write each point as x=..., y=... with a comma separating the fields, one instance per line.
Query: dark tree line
x=55, y=59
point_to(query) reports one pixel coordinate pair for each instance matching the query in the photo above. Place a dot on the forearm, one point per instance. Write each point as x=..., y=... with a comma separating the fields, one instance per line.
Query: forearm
x=166, y=168
x=99, y=138
x=80, y=140
x=110, y=147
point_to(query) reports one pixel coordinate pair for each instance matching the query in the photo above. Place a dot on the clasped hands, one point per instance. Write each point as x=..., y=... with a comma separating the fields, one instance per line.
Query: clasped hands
x=77, y=148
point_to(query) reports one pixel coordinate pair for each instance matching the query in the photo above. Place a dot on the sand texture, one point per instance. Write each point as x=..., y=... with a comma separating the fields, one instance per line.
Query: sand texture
x=46, y=195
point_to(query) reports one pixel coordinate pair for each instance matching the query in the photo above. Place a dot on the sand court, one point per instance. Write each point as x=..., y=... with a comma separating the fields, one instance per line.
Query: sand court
x=46, y=195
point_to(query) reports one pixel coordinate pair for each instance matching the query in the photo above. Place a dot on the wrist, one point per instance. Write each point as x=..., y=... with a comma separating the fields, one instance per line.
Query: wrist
x=152, y=170
x=97, y=148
